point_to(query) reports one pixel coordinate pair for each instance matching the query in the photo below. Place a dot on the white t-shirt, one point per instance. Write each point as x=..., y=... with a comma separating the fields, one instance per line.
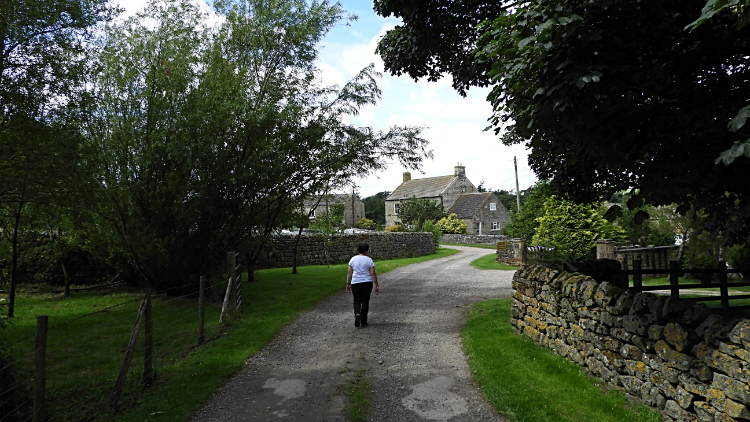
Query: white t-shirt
x=361, y=265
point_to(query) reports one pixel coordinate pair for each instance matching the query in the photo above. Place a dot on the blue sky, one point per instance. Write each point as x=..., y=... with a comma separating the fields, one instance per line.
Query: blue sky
x=455, y=124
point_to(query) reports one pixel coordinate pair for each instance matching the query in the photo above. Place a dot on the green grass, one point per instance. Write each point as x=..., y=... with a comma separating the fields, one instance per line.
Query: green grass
x=527, y=382
x=85, y=354
x=472, y=246
x=665, y=282
x=487, y=262
x=356, y=390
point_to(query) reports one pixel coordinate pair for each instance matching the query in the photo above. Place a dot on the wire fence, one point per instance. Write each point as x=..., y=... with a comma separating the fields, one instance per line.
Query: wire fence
x=89, y=366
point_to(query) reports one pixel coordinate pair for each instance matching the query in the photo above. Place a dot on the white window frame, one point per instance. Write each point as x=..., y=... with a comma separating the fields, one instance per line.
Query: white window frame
x=396, y=208
x=312, y=214
x=493, y=206
x=495, y=225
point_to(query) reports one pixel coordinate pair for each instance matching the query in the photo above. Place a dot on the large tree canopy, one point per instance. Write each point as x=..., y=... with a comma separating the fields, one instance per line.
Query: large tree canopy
x=616, y=94
x=210, y=136
x=437, y=37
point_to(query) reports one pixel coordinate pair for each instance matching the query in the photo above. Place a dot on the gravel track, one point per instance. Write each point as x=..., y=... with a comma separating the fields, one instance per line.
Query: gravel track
x=411, y=353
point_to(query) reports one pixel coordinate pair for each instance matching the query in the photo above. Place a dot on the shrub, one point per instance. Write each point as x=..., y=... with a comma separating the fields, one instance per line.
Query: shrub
x=429, y=227
x=451, y=224
x=396, y=228
x=366, y=223
x=573, y=228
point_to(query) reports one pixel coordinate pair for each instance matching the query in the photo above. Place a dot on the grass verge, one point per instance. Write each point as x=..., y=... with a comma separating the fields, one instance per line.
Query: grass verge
x=471, y=246
x=86, y=353
x=527, y=382
x=487, y=262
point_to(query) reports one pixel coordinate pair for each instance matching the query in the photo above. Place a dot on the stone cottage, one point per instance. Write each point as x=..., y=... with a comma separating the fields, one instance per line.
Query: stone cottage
x=354, y=208
x=482, y=212
x=446, y=190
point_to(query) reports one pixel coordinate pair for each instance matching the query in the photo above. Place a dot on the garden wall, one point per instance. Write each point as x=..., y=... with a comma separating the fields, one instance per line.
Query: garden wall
x=472, y=239
x=680, y=357
x=318, y=249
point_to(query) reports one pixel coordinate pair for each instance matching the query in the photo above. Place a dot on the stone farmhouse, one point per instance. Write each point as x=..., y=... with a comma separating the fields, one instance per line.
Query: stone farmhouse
x=354, y=208
x=482, y=212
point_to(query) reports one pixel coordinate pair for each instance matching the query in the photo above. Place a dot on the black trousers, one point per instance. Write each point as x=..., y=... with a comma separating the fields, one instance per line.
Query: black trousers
x=361, y=293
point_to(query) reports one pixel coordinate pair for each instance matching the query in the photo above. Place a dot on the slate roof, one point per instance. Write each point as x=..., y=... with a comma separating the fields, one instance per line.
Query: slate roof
x=468, y=204
x=421, y=188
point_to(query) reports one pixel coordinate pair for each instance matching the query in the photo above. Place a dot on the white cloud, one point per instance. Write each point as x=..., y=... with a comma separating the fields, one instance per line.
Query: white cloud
x=455, y=124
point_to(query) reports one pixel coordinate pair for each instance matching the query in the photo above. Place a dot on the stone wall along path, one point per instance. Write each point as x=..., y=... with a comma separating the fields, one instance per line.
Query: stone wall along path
x=411, y=353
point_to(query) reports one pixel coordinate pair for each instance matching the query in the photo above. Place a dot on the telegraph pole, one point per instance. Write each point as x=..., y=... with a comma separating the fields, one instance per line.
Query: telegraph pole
x=518, y=193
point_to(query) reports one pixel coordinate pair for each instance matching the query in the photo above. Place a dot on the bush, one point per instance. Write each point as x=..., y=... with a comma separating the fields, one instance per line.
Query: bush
x=396, y=228
x=660, y=239
x=366, y=223
x=451, y=224
x=706, y=261
x=572, y=228
x=429, y=227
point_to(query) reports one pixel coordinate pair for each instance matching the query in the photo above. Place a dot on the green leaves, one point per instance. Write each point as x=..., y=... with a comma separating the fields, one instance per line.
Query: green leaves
x=415, y=211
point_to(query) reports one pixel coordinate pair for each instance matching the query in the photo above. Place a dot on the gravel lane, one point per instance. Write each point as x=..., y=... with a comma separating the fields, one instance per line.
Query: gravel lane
x=411, y=353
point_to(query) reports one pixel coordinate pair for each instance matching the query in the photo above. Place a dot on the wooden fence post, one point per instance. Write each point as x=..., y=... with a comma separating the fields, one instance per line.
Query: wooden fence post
x=40, y=361
x=723, y=284
x=119, y=384
x=201, y=311
x=674, y=281
x=225, y=305
x=637, y=276
x=148, y=339
x=232, y=272
x=238, y=282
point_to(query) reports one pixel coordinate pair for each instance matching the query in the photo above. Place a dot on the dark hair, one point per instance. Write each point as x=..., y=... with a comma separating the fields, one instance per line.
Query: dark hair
x=363, y=248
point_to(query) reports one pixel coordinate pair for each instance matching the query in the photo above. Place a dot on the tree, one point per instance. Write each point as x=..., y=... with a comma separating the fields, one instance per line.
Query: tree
x=614, y=105
x=611, y=95
x=375, y=207
x=451, y=224
x=523, y=224
x=414, y=211
x=572, y=229
x=508, y=198
x=437, y=37
x=45, y=48
x=209, y=138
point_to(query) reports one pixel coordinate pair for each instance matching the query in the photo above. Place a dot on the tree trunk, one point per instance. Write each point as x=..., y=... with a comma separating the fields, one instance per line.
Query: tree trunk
x=67, y=279
x=14, y=261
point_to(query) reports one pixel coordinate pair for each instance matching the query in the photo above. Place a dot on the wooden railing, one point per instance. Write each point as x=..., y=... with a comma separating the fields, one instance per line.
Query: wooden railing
x=674, y=272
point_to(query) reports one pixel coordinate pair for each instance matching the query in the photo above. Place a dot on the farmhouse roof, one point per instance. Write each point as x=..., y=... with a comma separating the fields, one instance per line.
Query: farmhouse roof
x=468, y=204
x=429, y=187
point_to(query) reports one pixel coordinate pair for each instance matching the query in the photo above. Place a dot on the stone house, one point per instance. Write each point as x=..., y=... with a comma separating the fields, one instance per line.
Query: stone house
x=354, y=208
x=446, y=190
x=482, y=212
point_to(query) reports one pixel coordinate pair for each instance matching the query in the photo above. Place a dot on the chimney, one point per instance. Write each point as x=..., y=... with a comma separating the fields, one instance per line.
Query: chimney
x=407, y=176
x=460, y=171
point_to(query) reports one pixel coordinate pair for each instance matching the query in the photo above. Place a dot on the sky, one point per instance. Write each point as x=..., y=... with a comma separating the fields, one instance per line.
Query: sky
x=455, y=125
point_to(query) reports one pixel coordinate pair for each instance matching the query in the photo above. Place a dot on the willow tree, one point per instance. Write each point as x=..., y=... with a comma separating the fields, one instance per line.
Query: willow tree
x=210, y=134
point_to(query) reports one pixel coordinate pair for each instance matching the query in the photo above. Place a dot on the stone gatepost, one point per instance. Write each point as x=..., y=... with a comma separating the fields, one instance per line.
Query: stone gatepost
x=519, y=251
x=605, y=249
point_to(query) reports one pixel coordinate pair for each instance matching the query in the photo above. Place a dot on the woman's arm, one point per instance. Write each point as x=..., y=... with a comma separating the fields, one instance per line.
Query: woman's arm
x=349, y=279
x=374, y=279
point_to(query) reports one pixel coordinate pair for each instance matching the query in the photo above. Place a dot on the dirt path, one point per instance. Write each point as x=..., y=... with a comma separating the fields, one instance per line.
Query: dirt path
x=411, y=353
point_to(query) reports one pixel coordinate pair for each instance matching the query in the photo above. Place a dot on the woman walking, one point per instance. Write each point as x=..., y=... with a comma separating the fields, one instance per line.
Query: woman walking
x=359, y=280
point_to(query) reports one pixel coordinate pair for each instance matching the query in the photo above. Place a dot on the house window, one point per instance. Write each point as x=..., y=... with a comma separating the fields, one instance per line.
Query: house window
x=396, y=208
x=493, y=206
x=494, y=224
x=312, y=214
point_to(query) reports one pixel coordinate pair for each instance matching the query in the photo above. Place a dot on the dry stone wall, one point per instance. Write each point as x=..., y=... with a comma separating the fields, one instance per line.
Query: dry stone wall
x=319, y=249
x=472, y=239
x=672, y=354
